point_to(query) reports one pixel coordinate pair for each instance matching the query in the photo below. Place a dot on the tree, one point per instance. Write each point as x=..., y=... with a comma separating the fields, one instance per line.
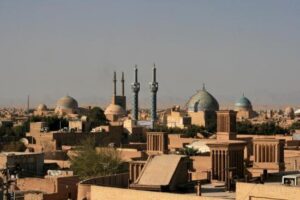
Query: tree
x=295, y=126
x=268, y=128
x=97, y=117
x=91, y=162
x=188, y=151
x=193, y=130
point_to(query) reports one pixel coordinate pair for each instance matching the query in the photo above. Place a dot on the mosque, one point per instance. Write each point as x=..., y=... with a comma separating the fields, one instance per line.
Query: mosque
x=67, y=105
x=117, y=109
x=202, y=108
x=244, y=109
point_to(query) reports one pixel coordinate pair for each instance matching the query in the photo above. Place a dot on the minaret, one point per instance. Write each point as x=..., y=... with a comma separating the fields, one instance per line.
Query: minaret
x=115, y=83
x=123, y=84
x=135, y=89
x=28, y=104
x=154, y=89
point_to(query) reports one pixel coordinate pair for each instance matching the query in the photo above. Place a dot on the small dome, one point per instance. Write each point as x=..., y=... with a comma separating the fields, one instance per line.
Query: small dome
x=114, y=109
x=42, y=107
x=202, y=101
x=67, y=102
x=243, y=103
x=24, y=141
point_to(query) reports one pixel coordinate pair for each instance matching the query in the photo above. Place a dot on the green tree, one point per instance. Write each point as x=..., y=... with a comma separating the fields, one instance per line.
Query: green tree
x=268, y=128
x=19, y=131
x=295, y=126
x=91, y=162
x=193, y=130
x=188, y=151
x=97, y=117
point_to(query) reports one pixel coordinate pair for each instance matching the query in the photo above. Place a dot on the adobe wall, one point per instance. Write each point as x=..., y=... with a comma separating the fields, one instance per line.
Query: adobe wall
x=33, y=196
x=247, y=191
x=129, y=154
x=84, y=187
x=39, y=184
x=202, y=167
x=67, y=186
x=176, y=141
x=292, y=160
x=107, y=193
x=56, y=188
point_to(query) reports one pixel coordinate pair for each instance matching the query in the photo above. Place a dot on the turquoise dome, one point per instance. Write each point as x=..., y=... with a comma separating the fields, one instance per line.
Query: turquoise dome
x=243, y=103
x=202, y=101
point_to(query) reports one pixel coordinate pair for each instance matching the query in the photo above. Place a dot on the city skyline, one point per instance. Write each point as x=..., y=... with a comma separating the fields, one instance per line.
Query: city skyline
x=50, y=49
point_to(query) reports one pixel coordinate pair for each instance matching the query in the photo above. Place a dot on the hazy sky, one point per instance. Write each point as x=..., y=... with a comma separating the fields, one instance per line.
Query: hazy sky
x=50, y=48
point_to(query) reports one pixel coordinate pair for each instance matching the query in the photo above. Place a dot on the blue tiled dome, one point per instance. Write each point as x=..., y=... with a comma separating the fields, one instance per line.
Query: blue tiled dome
x=202, y=101
x=244, y=103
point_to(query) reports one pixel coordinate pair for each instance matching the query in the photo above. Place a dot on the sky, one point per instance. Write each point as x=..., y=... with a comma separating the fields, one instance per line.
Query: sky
x=53, y=48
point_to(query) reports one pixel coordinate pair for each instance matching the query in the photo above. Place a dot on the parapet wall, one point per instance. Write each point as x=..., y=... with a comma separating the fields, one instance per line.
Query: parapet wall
x=247, y=191
x=108, y=193
x=118, y=180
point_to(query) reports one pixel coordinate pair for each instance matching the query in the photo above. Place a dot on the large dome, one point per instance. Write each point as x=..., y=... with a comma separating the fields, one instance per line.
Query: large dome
x=202, y=101
x=67, y=102
x=243, y=103
x=114, y=109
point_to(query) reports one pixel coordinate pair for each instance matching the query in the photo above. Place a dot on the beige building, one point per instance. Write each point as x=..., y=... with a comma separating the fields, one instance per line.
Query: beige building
x=117, y=109
x=268, y=155
x=178, y=118
x=79, y=125
x=60, y=187
x=32, y=164
x=163, y=173
x=42, y=110
x=227, y=153
x=43, y=141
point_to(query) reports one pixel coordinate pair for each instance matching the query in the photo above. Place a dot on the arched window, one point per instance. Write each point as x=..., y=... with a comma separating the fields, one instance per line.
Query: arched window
x=196, y=106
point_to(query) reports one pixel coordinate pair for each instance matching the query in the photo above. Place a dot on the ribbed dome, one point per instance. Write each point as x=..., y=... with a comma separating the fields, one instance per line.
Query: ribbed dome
x=42, y=107
x=67, y=102
x=114, y=109
x=202, y=101
x=243, y=103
